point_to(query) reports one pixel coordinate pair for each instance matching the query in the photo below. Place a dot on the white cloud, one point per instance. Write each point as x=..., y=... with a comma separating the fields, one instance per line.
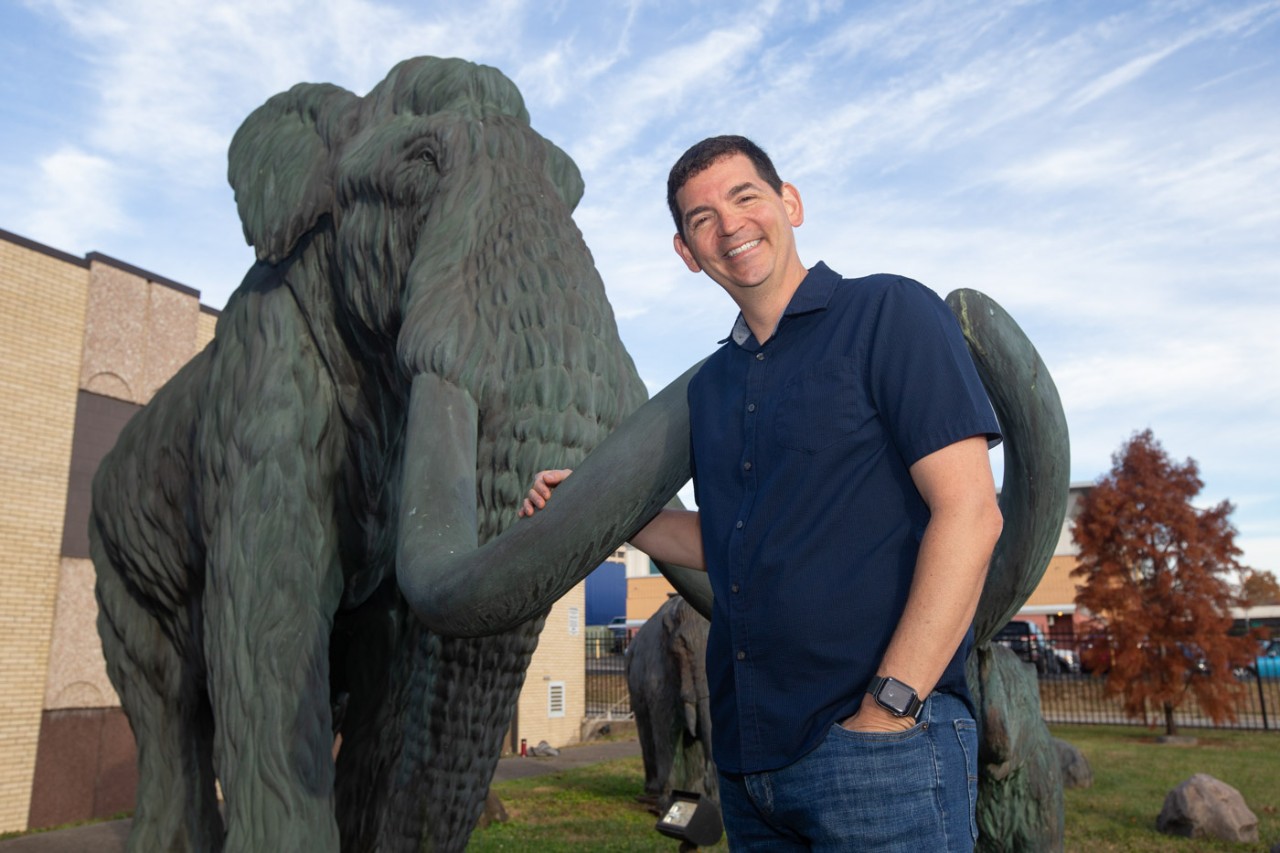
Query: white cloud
x=72, y=199
x=661, y=86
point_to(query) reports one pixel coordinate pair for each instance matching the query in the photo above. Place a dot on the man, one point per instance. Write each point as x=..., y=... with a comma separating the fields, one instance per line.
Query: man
x=846, y=516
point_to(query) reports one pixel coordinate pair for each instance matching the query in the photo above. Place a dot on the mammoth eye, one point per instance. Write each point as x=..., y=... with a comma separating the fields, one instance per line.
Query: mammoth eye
x=427, y=157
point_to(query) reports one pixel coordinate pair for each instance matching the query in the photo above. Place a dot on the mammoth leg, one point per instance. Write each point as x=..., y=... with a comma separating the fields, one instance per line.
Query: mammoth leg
x=1020, y=805
x=163, y=696
x=273, y=583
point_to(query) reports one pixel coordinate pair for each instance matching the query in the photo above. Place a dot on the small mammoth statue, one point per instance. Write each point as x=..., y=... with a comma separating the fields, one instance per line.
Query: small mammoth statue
x=667, y=681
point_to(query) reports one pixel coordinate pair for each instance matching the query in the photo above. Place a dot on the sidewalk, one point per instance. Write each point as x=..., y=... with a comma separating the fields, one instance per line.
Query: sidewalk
x=109, y=837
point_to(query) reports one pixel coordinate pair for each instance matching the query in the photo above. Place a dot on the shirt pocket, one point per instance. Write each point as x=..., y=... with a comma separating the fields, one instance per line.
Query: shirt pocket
x=820, y=408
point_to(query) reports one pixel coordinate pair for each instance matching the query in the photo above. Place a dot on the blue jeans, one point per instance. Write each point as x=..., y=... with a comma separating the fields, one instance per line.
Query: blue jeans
x=906, y=791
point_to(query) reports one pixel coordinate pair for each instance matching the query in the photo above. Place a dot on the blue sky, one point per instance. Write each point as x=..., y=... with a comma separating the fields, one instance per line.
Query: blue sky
x=1108, y=171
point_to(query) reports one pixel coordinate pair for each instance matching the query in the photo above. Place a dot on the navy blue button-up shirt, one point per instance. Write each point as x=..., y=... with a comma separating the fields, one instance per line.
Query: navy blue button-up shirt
x=810, y=519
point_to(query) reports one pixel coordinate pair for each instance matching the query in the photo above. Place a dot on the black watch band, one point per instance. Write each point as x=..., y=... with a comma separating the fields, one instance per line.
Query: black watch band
x=894, y=696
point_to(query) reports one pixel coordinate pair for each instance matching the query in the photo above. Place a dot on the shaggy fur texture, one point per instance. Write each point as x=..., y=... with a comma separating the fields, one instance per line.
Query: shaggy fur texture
x=245, y=526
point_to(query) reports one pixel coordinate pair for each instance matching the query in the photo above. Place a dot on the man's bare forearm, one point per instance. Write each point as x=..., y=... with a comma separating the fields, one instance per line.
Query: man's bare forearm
x=673, y=536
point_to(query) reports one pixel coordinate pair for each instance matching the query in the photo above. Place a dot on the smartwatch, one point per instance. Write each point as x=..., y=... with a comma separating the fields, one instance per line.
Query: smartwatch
x=895, y=697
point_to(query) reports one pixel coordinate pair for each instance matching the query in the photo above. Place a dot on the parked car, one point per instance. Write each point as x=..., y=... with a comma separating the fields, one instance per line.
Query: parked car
x=1068, y=659
x=1027, y=641
x=1266, y=665
x=623, y=629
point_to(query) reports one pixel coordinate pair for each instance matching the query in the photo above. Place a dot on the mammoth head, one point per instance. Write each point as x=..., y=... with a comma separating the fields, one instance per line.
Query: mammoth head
x=286, y=160
x=442, y=200
x=446, y=225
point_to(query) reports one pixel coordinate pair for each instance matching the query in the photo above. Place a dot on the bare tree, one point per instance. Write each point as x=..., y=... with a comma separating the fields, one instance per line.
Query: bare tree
x=1155, y=569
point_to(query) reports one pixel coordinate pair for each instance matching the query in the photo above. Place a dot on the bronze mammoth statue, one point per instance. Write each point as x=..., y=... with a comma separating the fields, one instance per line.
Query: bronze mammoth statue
x=421, y=292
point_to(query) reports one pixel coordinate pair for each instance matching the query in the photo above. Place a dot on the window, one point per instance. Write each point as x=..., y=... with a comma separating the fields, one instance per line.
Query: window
x=555, y=699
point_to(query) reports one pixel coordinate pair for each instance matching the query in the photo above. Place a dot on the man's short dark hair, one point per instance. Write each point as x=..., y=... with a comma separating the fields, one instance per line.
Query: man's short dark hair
x=708, y=151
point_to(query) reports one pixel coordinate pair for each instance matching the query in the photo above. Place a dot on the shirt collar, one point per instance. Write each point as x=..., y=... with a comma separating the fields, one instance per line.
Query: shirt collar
x=813, y=294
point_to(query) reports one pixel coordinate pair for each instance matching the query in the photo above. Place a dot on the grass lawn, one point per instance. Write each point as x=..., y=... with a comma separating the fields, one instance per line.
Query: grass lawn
x=1132, y=773
x=594, y=808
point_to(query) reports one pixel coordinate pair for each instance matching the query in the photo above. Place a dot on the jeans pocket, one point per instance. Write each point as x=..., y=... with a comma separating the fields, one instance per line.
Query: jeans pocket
x=879, y=737
x=967, y=735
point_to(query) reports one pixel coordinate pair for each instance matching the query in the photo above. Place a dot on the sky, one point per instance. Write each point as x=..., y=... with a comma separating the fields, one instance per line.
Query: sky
x=1109, y=172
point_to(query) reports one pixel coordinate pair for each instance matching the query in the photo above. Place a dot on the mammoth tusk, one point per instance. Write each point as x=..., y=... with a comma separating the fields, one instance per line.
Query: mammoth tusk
x=460, y=590
x=1037, y=455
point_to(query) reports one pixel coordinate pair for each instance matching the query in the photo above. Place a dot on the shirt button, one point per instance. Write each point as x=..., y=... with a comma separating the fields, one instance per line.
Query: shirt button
x=742, y=655
x=759, y=356
x=751, y=407
x=738, y=525
x=734, y=588
x=746, y=466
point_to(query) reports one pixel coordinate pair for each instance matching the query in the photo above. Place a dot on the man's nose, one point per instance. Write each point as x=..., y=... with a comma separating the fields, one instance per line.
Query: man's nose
x=730, y=222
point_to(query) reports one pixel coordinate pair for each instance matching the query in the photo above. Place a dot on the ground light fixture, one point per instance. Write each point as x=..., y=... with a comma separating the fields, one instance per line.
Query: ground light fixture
x=694, y=821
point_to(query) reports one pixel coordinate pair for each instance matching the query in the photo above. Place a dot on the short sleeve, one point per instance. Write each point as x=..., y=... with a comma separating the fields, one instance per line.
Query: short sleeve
x=921, y=377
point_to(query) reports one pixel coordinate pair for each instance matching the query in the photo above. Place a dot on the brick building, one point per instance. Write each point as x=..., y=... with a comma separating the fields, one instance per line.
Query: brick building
x=84, y=343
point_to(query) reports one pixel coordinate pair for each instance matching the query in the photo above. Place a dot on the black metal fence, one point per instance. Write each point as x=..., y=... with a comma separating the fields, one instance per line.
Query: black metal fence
x=1083, y=698
x=606, y=691
x=1065, y=696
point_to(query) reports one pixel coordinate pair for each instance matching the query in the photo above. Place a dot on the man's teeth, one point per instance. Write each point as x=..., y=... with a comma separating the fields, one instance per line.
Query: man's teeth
x=743, y=248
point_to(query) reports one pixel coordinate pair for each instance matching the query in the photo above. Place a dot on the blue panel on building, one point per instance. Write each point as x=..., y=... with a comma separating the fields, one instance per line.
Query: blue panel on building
x=606, y=593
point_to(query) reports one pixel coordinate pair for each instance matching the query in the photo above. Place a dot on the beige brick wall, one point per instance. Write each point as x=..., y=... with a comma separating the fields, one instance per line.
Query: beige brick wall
x=560, y=657
x=42, y=311
x=646, y=594
x=1057, y=587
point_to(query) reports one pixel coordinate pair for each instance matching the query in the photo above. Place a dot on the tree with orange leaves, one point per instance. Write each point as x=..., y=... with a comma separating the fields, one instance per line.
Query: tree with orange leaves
x=1155, y=568
x=1258, y=589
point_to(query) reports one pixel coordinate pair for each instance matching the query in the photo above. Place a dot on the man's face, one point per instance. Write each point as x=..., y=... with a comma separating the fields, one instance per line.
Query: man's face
x=737, y=229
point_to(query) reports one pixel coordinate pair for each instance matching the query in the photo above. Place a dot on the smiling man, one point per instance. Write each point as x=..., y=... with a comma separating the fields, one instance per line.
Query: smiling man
x=846, y=514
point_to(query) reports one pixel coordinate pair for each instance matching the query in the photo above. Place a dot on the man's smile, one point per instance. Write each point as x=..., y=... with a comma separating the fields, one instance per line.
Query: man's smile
x=732, y=253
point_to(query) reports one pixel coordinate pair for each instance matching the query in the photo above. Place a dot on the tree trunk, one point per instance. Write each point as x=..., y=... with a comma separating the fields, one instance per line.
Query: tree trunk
x=1170, y=727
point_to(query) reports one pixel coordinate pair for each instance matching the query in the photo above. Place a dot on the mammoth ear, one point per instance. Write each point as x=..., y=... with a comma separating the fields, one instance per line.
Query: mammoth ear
x=280, y=165
x=565, y=175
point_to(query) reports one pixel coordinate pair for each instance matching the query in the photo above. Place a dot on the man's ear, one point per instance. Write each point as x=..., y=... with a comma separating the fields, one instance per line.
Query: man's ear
x=685, y=255
x=794, y=206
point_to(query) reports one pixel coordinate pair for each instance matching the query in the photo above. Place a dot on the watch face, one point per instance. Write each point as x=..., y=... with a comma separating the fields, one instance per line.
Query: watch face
x=896, y=696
